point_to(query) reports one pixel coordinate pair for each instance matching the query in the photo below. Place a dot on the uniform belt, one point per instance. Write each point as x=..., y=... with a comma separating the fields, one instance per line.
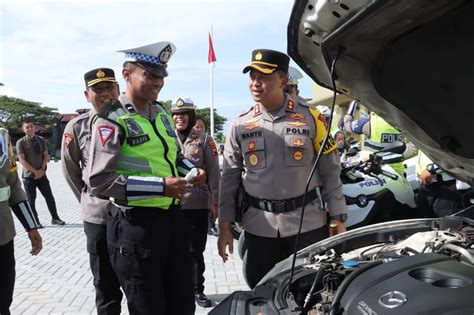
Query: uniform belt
x=140, y=212
x=280, y=206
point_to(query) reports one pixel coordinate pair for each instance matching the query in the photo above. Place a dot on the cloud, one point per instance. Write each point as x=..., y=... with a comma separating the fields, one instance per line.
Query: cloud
x=47, y=45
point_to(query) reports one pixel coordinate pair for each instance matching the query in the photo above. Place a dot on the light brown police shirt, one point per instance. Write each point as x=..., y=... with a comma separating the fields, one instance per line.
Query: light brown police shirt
x=272, y=155
x=200, y=149
x=75, y=158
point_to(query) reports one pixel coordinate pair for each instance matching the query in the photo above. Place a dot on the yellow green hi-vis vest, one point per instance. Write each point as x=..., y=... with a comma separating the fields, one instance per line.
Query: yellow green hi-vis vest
x=148, y=150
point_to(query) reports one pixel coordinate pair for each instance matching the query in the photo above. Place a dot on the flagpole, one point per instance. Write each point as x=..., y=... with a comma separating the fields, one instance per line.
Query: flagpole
x=211, y=67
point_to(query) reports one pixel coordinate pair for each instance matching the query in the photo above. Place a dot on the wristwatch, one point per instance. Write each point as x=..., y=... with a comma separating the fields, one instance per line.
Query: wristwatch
x=340, y=217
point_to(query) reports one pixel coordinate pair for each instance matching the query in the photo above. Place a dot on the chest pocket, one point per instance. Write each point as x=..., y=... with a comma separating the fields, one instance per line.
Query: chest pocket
x=298, y=150
x=253, y=150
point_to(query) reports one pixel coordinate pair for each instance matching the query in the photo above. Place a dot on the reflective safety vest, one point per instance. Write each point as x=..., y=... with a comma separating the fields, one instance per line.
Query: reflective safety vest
x=148, y=149
x=383, y=133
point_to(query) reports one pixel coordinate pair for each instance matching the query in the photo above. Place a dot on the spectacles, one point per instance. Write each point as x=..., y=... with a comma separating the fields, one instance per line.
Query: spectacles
x=101, y=89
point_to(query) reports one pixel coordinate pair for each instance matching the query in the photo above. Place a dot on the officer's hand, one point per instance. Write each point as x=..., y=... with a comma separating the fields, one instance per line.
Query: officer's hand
x=175, y=187
x=225, y=239
x=336, y=227
x=36, y=242
x=426, y=178
x=214, y=211
x=200, y=179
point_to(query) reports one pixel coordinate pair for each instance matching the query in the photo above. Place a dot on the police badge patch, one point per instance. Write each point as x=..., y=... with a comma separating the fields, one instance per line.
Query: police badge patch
x=165, y=54
x=169, y=128
x=133, y=128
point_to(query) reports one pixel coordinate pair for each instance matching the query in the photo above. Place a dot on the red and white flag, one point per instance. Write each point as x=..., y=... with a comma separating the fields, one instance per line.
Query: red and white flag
x=211, y=56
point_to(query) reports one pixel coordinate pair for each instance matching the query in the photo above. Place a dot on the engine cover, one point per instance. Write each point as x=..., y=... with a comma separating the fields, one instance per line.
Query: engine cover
x=419, y=284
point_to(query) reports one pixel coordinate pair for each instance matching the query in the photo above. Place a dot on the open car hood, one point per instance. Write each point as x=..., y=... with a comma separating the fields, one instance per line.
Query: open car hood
x=408, y=60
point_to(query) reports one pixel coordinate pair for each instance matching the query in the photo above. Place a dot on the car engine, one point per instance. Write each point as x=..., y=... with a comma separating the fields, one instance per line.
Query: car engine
x=430, y=272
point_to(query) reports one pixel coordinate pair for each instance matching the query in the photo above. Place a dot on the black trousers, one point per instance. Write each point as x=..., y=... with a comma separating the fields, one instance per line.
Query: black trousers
x=264, y=252
x=43, y=185
x=149, y=251
x=439, y=199
x=197, y=222
x=7, y=277
x=107, y=287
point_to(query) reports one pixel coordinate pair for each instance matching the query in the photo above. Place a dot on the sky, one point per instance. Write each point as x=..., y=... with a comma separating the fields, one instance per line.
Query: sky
x=47, y=46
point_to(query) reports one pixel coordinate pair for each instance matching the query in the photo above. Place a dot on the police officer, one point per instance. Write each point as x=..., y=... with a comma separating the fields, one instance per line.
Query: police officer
x=270, y=150
x=292, y=86
x=380, y=133
x=134, y=161
x=101, y=89
x=439, y=194
x=14, y=198
x=201, y=150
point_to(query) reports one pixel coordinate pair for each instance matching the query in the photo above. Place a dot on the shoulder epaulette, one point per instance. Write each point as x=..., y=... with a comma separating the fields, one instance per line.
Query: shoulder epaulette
x=113, y=111
x=159, y=107
x=245, y=112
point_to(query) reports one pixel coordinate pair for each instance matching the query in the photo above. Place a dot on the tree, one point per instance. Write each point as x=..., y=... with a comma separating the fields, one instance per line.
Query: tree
x=219, y=120
x=13, y=111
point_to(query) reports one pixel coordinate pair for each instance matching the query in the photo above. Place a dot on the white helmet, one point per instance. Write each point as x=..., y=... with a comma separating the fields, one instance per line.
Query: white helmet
x=325, y=111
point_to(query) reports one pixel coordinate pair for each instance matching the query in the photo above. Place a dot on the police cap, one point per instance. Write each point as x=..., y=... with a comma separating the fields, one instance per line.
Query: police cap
x=99, y=75
x=293, y=76
x=267, y=61
x=181, y=104
x=153, y=58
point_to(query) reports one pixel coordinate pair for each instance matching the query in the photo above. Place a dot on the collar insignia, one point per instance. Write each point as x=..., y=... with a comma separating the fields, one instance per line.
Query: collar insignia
x=256, y=110
x=290, y=105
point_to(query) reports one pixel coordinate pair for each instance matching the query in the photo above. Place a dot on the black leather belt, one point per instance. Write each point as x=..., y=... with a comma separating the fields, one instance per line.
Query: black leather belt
x=280, y=206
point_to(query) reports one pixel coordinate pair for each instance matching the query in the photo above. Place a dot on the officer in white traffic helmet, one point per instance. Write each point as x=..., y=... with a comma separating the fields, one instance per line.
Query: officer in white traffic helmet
x=199, y=148
x=292, y=86
x=136, y=163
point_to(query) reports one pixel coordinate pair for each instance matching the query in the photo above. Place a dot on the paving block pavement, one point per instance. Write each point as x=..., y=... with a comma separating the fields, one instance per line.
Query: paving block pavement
x=59, y=281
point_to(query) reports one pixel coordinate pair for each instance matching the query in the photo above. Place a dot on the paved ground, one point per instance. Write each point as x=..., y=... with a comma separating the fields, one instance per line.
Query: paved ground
x=58, y=280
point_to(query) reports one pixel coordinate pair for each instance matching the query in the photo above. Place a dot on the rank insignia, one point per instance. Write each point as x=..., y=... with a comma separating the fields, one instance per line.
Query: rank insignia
x=105, y=132
x=297, y=123
x=298, y=142
x=251, y=145
x=290, y=105
x=256, y=109
x=297, y=116
x=251, y=126
x=253, y=159
x=298, y=155
x=68, y=138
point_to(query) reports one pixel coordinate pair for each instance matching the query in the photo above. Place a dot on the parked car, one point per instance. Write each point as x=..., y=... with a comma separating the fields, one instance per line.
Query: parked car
x=411, y=62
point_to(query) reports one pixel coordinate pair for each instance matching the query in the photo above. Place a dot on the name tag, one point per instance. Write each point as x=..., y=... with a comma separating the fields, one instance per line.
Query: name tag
x=133, y=141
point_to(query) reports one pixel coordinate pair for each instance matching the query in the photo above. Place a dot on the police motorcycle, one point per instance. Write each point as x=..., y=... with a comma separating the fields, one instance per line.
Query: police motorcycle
x=374, y=192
